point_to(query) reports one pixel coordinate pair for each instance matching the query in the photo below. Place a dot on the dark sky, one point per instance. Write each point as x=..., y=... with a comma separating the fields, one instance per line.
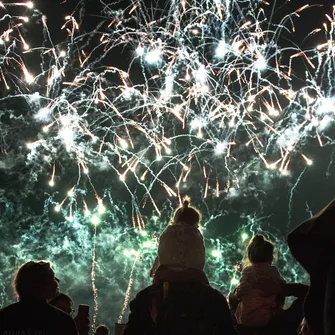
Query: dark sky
x=56, y=10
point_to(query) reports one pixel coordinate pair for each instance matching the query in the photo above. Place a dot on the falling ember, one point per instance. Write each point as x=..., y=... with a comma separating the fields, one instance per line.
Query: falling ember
x=186, y=175
x=170, y=191
x=206, y=189
x=308, y=160
x=143, y=175
x=86, y=210
x=52, y=180
x=70, y=193
x=101, y=207
x=28, y=76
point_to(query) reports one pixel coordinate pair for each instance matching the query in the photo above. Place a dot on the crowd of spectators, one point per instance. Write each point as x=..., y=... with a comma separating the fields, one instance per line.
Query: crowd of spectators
x=181, y=300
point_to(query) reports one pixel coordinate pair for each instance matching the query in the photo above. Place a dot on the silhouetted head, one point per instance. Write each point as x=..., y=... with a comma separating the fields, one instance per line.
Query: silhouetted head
x=186, y=214
x=102, y=330
x=63, y=302
x=35, y=280
x=260, y=250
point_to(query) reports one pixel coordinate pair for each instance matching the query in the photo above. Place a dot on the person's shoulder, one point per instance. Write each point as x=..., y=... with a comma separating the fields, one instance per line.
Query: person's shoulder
x=56, y=314
x=148, y=291
x=274, y=269
x=213, y=293
x=143, y=297
x=12, y=308
x=214, y=299
x=249, y=269
x=67, y=319
x=170, y=228
x=10, y=316
x=152, y=289
x=192, y=230
x=63, y=320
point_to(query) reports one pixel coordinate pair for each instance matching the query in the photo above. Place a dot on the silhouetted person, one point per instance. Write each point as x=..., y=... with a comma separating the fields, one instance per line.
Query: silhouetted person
x=63, y=302
x=181, y=250
x=82, y=319
x=35, y=284
x=312, y=244
x=257, y=306
x=102, y=330
x=180, y=302
x=177, y=308
x=262, y=291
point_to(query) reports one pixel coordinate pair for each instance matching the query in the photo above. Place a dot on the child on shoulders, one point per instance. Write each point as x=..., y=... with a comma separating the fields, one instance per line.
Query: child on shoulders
x=181, y=251
x=259, y=285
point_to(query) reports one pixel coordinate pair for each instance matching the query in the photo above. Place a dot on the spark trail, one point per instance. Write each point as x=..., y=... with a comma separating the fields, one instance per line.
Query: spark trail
x=200, y=90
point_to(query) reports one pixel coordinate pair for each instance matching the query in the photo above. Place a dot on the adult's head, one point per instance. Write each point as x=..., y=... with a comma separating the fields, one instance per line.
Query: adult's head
x=186, y=214
x=260, y=250
x=102, y=330
x=35, y=280
x=63, y=302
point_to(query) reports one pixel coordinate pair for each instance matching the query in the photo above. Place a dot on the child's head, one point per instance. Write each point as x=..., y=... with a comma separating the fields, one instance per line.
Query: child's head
x=260, y=250
x=186, y=214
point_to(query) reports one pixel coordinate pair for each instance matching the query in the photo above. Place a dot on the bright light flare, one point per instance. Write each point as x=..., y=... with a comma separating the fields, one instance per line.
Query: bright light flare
x=220, y=148
x=140, y=51
x=216, y=253
x=260, y=63
x=153, y=57
x=221, y=49
x=234, y=281
x=95, y=220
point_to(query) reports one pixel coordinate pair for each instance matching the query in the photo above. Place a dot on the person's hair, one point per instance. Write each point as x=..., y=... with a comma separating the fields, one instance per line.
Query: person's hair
x=260, y=250
x=61, y=296
x=31, y=278
x=186, y=214
x=102, y=329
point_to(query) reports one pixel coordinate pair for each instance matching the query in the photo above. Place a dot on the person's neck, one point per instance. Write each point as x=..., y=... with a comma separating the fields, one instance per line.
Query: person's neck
x=267, y=262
